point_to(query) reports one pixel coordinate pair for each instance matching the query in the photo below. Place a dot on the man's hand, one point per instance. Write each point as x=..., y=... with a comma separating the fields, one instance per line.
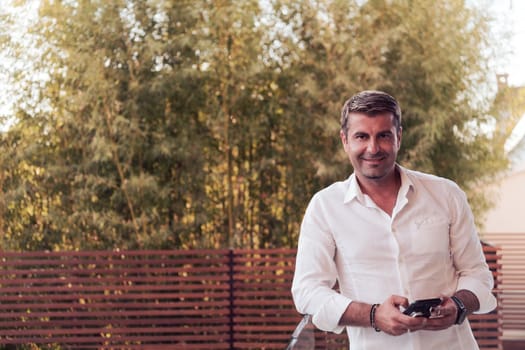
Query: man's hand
x=391, y=320
x=444, y=316
x=447, y=313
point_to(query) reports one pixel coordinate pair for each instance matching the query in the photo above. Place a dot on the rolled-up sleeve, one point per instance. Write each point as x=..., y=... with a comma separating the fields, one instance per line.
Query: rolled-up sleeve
x=316, y=274
x=469, y=259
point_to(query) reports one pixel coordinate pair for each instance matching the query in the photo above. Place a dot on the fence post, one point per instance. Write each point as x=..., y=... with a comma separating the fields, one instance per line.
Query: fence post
x=231, y=262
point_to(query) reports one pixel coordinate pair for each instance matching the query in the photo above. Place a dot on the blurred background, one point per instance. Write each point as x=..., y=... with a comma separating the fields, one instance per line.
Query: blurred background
x=207, y=124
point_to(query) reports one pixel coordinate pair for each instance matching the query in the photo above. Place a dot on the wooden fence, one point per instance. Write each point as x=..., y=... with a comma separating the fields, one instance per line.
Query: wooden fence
x=512, y=283
x=180, y=299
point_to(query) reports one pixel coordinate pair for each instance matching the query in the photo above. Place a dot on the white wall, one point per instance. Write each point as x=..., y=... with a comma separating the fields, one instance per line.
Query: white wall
x=508, y=214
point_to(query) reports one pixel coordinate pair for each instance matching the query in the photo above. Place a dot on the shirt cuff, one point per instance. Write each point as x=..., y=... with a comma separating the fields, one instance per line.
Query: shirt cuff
x=487, y=300
x=328, y=316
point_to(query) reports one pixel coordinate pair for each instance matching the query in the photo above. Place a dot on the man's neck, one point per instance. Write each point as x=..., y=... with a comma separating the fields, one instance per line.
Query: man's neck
x=382, y=191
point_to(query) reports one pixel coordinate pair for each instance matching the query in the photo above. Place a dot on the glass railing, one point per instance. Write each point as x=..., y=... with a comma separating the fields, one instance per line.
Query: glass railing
x=303, y=337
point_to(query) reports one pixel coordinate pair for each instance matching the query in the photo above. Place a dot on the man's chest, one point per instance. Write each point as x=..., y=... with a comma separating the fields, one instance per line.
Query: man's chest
x=366, y=232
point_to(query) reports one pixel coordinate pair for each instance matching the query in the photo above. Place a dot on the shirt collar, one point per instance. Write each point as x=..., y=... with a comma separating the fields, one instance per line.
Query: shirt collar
x=354, y=191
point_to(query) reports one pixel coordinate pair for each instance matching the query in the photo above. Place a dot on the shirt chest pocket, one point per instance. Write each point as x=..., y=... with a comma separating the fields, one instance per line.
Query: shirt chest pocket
x=430, y=237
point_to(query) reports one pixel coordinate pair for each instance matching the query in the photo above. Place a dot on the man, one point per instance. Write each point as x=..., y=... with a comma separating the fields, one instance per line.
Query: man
x=389, y=236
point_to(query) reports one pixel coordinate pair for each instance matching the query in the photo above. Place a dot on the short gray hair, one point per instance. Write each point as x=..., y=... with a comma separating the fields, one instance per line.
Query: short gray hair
x=370, y=102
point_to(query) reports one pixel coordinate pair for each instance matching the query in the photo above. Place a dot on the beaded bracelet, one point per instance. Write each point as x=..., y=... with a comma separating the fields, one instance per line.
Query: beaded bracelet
x=373, y=317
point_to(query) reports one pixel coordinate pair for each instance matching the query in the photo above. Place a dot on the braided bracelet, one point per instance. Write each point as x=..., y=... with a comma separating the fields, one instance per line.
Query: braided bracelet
x=373, y=317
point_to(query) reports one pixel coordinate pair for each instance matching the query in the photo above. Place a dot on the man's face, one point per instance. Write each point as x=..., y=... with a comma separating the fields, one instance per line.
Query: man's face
x=372, y=143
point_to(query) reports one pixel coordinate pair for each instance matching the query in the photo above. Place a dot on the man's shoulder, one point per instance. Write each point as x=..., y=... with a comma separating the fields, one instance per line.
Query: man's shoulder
x=335, y=190
x=427, y=179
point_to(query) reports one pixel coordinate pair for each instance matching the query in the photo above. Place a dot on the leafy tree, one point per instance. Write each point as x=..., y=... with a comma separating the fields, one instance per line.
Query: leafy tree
x=201, y=123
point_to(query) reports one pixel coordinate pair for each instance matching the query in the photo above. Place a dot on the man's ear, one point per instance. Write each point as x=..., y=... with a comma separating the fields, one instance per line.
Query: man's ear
x=343, y=137
x=399, y=137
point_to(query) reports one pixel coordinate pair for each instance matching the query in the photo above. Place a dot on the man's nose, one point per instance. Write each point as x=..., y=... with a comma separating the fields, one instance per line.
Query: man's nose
x=372, y=146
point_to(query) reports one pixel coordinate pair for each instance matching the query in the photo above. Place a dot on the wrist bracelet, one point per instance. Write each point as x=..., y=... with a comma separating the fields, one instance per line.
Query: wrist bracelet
x=373, y=317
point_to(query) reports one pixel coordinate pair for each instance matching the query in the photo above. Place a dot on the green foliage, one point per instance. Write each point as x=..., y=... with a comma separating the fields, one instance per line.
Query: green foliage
x=192, y=124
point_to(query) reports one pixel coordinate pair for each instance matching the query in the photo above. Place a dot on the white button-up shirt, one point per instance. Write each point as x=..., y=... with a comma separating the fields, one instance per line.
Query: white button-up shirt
x=428, y=248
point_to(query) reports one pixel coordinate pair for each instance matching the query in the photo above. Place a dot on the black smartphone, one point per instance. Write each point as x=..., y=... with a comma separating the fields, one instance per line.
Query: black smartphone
x=422, y=307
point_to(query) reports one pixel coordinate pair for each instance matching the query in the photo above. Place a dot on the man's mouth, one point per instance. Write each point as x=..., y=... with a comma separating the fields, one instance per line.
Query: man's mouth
x=373, y=159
